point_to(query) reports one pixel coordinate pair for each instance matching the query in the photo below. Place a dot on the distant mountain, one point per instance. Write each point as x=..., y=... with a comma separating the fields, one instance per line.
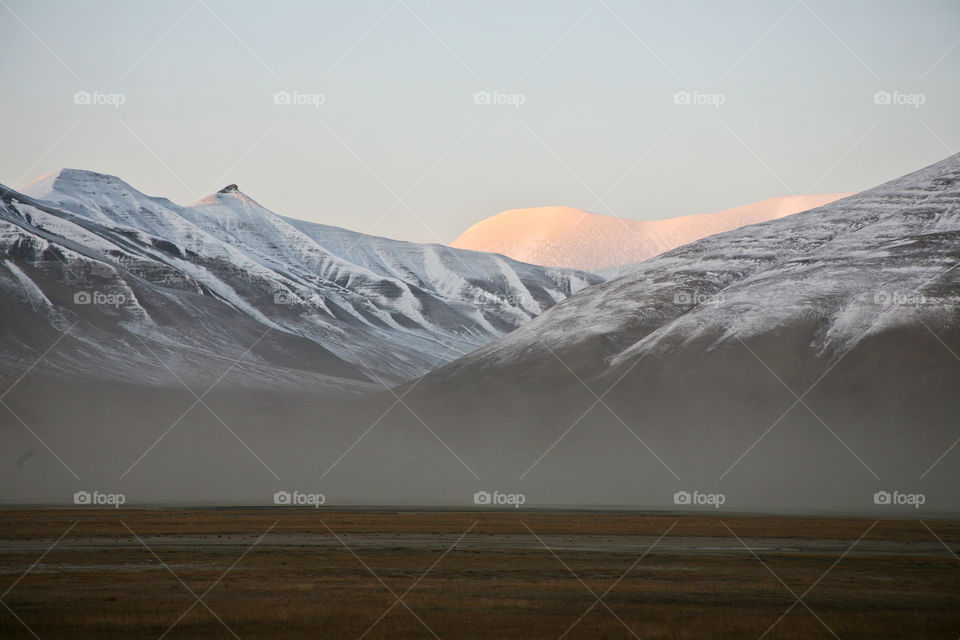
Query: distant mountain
x=568, y=237
x=140, y=281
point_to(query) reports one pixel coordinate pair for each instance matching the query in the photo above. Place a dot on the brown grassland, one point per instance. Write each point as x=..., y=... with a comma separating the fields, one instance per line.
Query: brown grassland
x=472, y=574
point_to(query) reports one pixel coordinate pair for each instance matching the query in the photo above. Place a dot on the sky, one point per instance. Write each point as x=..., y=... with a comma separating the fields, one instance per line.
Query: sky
x=414, y=119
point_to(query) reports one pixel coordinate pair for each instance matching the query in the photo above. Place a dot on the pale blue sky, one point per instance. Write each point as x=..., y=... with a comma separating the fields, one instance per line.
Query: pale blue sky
x=597, y=80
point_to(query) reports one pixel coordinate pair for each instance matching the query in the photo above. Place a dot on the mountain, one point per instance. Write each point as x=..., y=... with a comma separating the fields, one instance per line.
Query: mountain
x=145, y=285
x=802, y=363
x=568, y=237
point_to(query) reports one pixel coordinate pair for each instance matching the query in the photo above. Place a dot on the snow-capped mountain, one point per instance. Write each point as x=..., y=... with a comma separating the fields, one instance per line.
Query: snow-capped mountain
x=801, y=363
x=824, y=265
x=568, y=237
x=159, y=282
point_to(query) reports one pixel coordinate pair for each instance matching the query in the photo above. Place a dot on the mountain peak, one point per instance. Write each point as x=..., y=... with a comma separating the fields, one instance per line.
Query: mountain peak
x=67, y=180
x=230, y=201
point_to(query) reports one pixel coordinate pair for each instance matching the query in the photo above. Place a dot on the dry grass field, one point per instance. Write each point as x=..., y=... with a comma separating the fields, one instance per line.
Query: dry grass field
x=300, y=573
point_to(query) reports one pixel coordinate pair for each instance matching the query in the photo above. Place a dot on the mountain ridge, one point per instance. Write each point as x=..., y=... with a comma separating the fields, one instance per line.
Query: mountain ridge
x=394, y=308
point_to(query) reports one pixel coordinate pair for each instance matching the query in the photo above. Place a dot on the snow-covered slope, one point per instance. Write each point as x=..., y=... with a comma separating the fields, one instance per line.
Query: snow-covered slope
x=825, y=264
x=802, y=363
x=212, y=276
x=568, y=237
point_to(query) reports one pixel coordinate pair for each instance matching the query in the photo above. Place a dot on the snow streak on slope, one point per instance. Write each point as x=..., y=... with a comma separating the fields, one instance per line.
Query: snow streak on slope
x=568, y=237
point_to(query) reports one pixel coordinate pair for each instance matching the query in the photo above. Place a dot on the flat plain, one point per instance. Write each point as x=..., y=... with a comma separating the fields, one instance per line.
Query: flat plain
x=326, y=573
